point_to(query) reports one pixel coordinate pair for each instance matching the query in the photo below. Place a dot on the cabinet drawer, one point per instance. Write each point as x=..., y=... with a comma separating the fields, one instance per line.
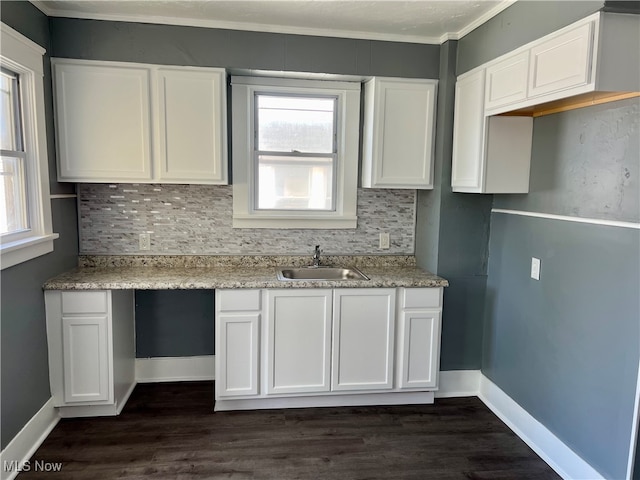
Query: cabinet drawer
x=84, y=302
x=238, y=300
x=422, y=298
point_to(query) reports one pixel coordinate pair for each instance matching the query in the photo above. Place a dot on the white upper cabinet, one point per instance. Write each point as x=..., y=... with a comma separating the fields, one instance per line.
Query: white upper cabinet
x=103, y=121
x=139, y=123
x=468, y=132
x=399, y=125
x=192, y=125
x=492, y=153
x=562, y=62
x=507, y=81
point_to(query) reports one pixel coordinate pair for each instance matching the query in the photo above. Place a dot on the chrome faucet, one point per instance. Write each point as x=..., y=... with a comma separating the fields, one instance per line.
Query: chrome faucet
x=316, y=256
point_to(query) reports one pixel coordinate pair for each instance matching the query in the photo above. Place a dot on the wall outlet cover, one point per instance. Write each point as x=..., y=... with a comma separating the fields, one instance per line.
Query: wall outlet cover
x=535, y=268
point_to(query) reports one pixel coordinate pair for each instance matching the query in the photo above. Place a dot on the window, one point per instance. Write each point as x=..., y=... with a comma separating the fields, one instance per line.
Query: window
x=295, y=153
x=25, y=215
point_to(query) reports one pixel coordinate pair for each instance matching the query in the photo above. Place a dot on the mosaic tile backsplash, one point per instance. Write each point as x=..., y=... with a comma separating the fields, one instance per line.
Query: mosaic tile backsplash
x=197, y=220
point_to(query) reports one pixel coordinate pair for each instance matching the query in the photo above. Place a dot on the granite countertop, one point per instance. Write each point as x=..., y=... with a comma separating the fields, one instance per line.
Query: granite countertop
x=170, y=273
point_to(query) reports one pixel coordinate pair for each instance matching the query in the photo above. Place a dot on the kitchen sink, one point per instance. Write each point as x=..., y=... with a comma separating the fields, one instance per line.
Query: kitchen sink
x=319, y=273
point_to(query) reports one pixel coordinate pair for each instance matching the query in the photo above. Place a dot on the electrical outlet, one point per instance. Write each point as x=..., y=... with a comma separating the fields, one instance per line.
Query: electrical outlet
x=144, y=241
x=535, y=268
x=384, y=240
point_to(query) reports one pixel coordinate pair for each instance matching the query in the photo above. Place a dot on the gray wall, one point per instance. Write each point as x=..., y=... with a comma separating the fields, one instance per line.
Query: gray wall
x=452, y=234
x=566, y=347
x=166, y=327
x=519, y=24
x=176, y=45
x=25, y=371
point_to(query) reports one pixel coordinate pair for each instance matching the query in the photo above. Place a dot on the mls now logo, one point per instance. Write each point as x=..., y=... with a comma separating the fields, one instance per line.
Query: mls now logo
x=29, y=466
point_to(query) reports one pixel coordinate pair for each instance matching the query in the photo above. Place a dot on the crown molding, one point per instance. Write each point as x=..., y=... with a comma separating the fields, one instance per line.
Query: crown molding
x=270, y=28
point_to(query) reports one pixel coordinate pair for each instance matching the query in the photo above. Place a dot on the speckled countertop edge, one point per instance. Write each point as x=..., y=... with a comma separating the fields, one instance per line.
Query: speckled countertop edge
x=203, y=261
x=247, y=275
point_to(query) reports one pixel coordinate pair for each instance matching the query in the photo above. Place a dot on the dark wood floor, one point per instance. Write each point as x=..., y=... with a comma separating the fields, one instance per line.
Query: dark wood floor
x=169, y=431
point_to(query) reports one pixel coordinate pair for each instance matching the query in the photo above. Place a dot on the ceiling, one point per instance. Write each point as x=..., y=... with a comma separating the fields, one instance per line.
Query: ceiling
x=416, y=21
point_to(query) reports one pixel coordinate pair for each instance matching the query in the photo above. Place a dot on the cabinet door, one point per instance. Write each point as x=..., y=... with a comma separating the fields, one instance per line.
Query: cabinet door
x=192, y=125
x=86, y=359
x=299, y=336
x=561, y=62
x=469, y=125
x=507, y=81
x=103, y=122
x=238, y=351
x=419, y=349
x=399, y=126
x=363, y=333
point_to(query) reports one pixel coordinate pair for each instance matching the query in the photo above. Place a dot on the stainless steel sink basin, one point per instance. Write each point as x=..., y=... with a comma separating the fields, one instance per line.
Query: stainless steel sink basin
x=319, y=273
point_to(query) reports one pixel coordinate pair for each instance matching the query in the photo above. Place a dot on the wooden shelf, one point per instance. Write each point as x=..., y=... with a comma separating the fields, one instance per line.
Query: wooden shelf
x=571, y=103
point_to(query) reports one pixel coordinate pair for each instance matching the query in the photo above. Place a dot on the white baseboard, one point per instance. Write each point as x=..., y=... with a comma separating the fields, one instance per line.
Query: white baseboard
x=175, y=369
x=550, y=448
x=28, y=440
x=459, y=383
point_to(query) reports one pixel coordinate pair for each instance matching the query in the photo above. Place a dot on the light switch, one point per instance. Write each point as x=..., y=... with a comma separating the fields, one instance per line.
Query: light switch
x=535, y=268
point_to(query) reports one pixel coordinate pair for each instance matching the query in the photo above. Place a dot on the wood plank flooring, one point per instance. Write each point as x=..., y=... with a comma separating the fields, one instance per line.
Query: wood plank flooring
x=169, y=431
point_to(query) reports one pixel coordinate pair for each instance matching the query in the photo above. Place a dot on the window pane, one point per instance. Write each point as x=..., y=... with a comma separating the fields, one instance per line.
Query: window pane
x=10, y=138
x=295, y=123
x=13, y=198
x=295, y=183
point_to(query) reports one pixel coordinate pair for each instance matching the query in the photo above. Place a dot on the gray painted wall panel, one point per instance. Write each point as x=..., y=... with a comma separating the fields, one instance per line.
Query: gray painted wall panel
x=24, y=376
x=518, y=25
x=566, y=347
x=24, y=372
x=178, y=45
x=452, y=233
x=165, y=327
x=585, y=163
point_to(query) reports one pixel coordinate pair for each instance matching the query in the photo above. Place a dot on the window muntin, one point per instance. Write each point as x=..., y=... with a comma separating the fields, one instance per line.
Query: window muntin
x=14, y=212
x=295, y=152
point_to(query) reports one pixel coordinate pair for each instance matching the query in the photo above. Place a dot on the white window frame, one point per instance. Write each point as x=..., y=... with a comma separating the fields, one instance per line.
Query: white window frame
x=243, y=90
x=24, y=57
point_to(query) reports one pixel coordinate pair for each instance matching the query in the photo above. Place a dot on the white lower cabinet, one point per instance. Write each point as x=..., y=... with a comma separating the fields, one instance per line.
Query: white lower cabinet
x=363, y=328
x=279, y=348
x=91, y=350
x=298, y=340
x=237, y=339
x=85, y=352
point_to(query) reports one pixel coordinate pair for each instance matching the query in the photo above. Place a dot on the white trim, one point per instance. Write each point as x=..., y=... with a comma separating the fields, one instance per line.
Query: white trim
x=55, y=196
x=26, y=249
x=284, y=29
x=550, y=448
x=635, y=430
x=175, y=369
x=29, y=439
x=368, y=399
x=478, y=21
x=458, y=383
x=345, y=175
x=24, y=57
x=567, y=218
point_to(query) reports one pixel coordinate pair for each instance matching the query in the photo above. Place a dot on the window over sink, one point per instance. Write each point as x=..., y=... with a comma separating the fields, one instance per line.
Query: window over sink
x=295, y=153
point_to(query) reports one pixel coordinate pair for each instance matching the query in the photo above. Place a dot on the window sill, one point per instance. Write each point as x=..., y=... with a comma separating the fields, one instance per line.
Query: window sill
x=22, y=250
x=251, y=221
